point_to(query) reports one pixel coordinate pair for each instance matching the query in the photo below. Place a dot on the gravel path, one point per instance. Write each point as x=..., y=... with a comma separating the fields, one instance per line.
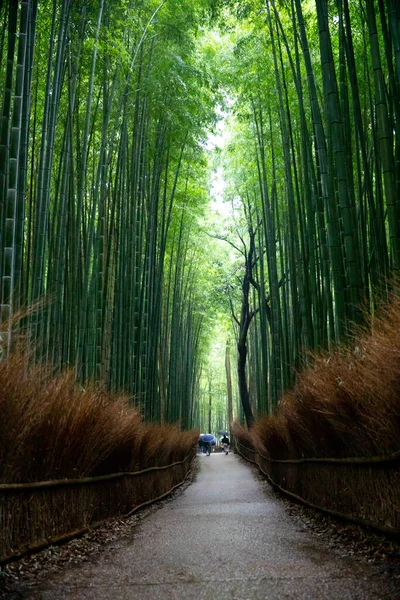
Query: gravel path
x=225, y=537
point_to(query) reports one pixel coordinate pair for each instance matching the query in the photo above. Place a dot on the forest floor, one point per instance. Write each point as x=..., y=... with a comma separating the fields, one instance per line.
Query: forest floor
x=227, y=536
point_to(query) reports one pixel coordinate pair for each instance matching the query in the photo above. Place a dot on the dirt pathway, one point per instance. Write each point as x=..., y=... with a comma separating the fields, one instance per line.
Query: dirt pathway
x=223, y=538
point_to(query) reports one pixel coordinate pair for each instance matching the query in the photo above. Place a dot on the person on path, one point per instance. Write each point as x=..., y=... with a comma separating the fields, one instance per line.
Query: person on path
x=208, y=448
x=225, y=443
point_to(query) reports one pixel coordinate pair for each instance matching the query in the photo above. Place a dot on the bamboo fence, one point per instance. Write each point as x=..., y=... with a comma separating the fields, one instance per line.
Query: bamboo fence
x=364, y=490
x=36, y=515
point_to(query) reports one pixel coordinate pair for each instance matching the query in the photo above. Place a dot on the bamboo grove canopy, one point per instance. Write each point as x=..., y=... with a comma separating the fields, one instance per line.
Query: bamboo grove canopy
x=105, y=109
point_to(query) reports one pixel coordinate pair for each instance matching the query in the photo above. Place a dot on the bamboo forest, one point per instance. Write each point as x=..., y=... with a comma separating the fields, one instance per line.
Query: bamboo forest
x=199, y=232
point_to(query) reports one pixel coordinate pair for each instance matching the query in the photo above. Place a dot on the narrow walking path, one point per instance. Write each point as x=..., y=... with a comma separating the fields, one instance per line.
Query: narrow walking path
x=223, y=538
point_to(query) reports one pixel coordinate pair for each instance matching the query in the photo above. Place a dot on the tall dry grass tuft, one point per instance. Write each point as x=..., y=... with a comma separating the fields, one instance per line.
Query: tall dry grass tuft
x=274, y=429
x=347, y=403
x=51, y=429
x=242, y=434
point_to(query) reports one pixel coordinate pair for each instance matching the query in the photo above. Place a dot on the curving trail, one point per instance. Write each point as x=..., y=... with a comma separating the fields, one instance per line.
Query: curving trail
x=223, y=538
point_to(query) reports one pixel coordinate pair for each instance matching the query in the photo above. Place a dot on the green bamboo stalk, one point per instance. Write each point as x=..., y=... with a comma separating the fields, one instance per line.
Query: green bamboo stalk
x=10, y=213
x=347, y=209
x=5, y=143
x=327, y=188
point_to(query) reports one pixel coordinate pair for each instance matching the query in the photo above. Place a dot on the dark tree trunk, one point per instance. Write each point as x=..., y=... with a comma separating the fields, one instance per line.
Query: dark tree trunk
x=246, y=316
x=243, y=389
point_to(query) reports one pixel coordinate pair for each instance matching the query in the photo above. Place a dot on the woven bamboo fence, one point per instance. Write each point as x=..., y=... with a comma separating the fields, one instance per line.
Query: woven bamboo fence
x=362, y=490
x=35, y=515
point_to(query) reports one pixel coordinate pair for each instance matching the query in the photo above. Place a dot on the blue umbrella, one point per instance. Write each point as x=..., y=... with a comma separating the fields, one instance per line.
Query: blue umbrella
x=208, y=437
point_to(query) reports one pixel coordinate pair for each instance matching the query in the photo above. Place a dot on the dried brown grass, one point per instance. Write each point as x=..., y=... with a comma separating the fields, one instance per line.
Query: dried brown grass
x=51, y=429
x=346, y=404
x=242, y=434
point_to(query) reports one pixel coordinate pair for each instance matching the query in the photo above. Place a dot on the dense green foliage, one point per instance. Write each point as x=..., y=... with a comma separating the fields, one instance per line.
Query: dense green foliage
x=104, y=187
x=313, y=168
x=105, y=107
